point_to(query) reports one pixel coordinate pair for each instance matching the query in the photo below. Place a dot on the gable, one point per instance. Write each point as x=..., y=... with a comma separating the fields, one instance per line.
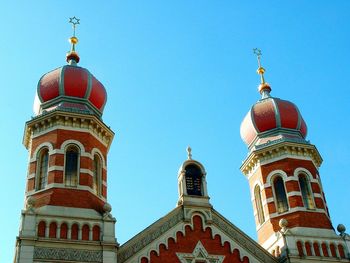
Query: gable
x=192, y=235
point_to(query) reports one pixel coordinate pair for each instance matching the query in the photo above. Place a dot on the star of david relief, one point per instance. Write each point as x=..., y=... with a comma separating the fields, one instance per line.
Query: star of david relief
x=199, y=255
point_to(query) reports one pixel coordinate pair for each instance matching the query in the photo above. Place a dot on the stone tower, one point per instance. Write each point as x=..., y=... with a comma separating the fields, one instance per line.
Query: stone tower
x=282, y=169
x=66, y=216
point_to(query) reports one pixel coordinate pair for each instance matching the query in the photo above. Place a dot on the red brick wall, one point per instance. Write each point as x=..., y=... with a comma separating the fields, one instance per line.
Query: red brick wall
x=295, y=219
x=68, y=197
x=186, y=244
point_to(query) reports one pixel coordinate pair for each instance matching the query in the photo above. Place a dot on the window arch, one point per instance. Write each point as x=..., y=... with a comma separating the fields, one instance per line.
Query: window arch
x=258, y=204
x=97, y=174
x=52, y=230
x=85, y=232
x=71, y=165
x=306, y=191
x=64, y=231
x=74, y=231
x=43, y=168
x=280, y=195
x=194, y=178
x=96, y=233
x=41, y=229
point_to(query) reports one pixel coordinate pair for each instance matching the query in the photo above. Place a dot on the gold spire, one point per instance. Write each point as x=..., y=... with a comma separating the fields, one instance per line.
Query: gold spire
x=72, y=55
x=263, y=87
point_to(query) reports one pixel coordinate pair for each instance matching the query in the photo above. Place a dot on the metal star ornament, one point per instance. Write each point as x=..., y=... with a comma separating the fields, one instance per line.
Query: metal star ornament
x=257, y=52
x=75, y=21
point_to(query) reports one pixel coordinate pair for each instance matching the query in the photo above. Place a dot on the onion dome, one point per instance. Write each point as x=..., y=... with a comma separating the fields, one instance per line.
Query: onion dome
x=70, y=87
x=271, y=119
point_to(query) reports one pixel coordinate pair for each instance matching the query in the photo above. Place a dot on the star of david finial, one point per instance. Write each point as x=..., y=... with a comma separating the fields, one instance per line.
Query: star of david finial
x=72, y=56
x=74, y=21
x=260, y=70
x=257, y=52
x=264, y=88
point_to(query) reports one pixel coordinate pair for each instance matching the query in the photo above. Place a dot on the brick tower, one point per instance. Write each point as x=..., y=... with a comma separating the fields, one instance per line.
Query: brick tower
x=66, y=217
x=291, y=214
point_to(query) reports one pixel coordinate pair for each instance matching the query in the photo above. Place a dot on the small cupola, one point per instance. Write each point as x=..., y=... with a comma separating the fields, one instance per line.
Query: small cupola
x=192, y=183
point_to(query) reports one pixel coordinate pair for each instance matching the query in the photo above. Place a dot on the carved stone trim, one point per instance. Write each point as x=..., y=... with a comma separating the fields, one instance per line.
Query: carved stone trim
x=149, y=235
x=281, y=150
x=79, y=255
x=59, y=119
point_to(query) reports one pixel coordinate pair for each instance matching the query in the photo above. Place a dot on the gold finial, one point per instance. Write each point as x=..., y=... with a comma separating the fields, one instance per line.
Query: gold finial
x=72, y=56
x=189, y=153
x=264, y=88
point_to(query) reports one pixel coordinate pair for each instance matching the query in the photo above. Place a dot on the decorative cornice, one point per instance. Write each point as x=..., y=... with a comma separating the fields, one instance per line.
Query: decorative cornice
x=57, y=119
x=150, y=234
x=280, y=150
x=47, y=253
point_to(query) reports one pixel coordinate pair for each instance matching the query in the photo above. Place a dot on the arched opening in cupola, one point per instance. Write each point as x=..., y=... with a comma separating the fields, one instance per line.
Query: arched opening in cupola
x=194, y=179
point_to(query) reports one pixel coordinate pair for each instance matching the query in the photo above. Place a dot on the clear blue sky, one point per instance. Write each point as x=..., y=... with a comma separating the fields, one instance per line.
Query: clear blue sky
x=178, y=73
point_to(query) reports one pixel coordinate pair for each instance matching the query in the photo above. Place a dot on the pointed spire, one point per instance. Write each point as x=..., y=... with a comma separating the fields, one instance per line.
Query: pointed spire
x=189, y=153
x=72, y=55
x=264, y=88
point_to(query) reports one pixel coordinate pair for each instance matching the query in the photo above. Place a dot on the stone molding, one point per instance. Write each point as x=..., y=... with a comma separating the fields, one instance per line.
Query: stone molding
x=150, y=234
x=46, y=253
x=279, y=152
x=68, y=121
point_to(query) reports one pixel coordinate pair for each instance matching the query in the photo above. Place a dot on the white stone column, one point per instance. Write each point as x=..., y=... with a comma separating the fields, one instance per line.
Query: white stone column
x=90, y=233
x=58, y=231
x=80, y=232
x=69, y=232
x=47, y=230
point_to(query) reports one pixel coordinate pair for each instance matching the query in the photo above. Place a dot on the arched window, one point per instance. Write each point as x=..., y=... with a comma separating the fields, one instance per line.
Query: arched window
x=258, y=205
x=53, y=230
x=64, y=231
x=97, y=170
x=42, y=229
x=306, y=192
x=43, y=166
x=96, y=233
x=193, y=180
x=71, y=166
x=280, y=194
x=74, y=231
x=85, y=232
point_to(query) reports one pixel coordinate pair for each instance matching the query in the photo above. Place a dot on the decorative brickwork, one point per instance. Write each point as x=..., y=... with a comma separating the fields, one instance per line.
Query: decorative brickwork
x=186, y=243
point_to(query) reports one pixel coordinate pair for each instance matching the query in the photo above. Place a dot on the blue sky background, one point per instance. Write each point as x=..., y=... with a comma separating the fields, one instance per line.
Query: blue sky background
x=179, y=73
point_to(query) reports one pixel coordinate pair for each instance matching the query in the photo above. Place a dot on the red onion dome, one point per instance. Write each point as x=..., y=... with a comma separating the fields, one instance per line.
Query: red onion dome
x=271, y=119
x=70, y=88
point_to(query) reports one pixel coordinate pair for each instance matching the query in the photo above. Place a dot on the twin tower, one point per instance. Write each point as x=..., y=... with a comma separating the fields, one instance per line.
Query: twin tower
x=66, y=217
